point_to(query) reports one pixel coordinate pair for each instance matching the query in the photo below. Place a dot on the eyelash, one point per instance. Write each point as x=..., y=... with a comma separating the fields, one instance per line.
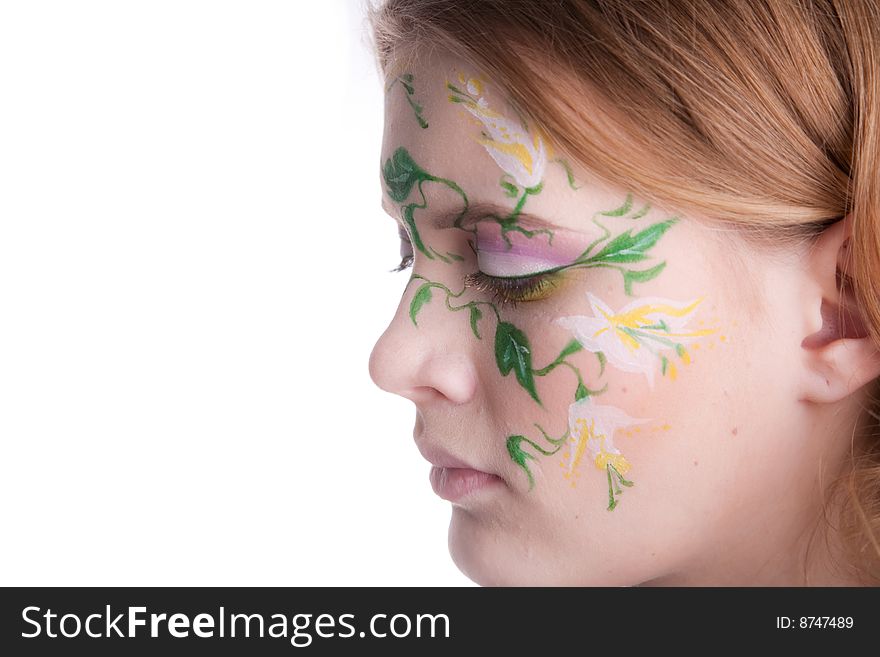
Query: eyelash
x=504, y=290
x=513, y=290
x=405, y=263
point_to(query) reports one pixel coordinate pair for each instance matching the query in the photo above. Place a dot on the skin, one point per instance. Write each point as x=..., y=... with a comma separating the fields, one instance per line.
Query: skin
x=726, y=494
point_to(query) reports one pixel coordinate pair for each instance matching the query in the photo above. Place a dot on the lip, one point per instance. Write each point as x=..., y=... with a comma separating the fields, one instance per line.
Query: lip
x=453, y=478
x=454, y=484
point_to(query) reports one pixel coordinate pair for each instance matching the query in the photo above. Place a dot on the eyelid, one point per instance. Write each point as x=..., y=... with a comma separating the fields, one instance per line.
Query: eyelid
x=517, y=260
x=542, y=272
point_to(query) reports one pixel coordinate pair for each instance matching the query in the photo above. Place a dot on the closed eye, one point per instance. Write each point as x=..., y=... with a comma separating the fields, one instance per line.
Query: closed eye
x=511, y=290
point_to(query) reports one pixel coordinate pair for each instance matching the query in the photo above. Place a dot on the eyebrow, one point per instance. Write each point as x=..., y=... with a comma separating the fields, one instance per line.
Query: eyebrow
x=478, y=212
x=475, y=213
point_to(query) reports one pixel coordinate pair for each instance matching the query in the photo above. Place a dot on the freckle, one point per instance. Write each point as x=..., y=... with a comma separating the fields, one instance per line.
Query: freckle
x=734, y=431
x=695, y=463
x=623, y=389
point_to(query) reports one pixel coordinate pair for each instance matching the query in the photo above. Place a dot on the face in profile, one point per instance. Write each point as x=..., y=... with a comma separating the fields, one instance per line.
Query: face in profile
x=598, y=380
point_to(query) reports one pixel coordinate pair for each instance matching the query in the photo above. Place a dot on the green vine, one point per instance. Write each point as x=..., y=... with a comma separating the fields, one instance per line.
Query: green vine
x=401, y=174
x=406, y=81
x=521, y=456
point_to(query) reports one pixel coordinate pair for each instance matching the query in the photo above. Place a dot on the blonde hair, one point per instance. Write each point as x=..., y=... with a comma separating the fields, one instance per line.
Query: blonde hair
x=763, y=114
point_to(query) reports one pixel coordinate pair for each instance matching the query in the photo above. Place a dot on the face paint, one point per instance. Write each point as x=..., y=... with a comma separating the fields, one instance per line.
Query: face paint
x=406, y=81
x=518, y=255
x=657, y=327
x=641, y=337
x=520, y=153
x=591, y=428
x=424, y=295
x=625, y=249
x=401, y=174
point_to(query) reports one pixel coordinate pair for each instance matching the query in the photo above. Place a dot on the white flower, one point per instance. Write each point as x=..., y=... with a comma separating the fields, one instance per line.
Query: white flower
x=521, y=155
x=636, y=338
x=591, y=429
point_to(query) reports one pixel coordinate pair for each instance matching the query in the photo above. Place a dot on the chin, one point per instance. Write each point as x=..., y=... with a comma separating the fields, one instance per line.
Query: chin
x=478, y=550
x=494, y=553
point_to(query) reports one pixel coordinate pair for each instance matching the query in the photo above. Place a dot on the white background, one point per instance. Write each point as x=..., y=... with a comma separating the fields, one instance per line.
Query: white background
x=193, y=270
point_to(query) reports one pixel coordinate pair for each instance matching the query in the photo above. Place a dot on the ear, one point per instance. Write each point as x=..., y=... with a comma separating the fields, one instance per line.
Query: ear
x=839, y=354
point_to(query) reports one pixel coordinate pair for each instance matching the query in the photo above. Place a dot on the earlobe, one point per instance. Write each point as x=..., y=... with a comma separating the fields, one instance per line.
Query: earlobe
x=840, y=356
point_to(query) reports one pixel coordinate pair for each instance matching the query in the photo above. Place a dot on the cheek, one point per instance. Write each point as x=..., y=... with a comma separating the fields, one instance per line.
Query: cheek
x=672, y=380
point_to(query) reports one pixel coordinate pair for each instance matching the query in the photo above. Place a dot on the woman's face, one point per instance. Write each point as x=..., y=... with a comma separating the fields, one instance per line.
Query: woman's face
x=597, y=381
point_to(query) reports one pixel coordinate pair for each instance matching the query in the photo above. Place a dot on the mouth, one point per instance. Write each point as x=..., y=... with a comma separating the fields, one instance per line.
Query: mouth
x=454, y=479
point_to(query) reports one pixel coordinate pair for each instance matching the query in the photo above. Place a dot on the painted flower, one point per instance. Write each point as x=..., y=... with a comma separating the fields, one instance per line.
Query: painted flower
x=521, y=155
x=591, y=430
x=639, y=337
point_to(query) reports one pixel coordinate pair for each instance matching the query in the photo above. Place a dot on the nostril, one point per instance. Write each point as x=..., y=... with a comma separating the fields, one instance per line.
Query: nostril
x=423, y=394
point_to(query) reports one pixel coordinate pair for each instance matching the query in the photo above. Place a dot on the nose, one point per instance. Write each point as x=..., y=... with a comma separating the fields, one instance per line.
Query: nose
x=430, y=362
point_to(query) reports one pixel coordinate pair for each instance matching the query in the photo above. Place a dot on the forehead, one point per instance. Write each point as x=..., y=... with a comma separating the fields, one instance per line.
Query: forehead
x=441, y=134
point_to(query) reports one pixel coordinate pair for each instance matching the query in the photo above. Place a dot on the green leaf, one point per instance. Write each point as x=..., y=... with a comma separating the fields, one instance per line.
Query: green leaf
x=510, y=190
x=401, y=173
x=581, y=392
x=476, y=316
x=641, y=213
x=623, y=209
x=422, y=296
x=440, y=255
x=520, y=456
x=512, y=352
x=627, y=247
x=631, y=276
x=571, y=348
x=602, y=360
